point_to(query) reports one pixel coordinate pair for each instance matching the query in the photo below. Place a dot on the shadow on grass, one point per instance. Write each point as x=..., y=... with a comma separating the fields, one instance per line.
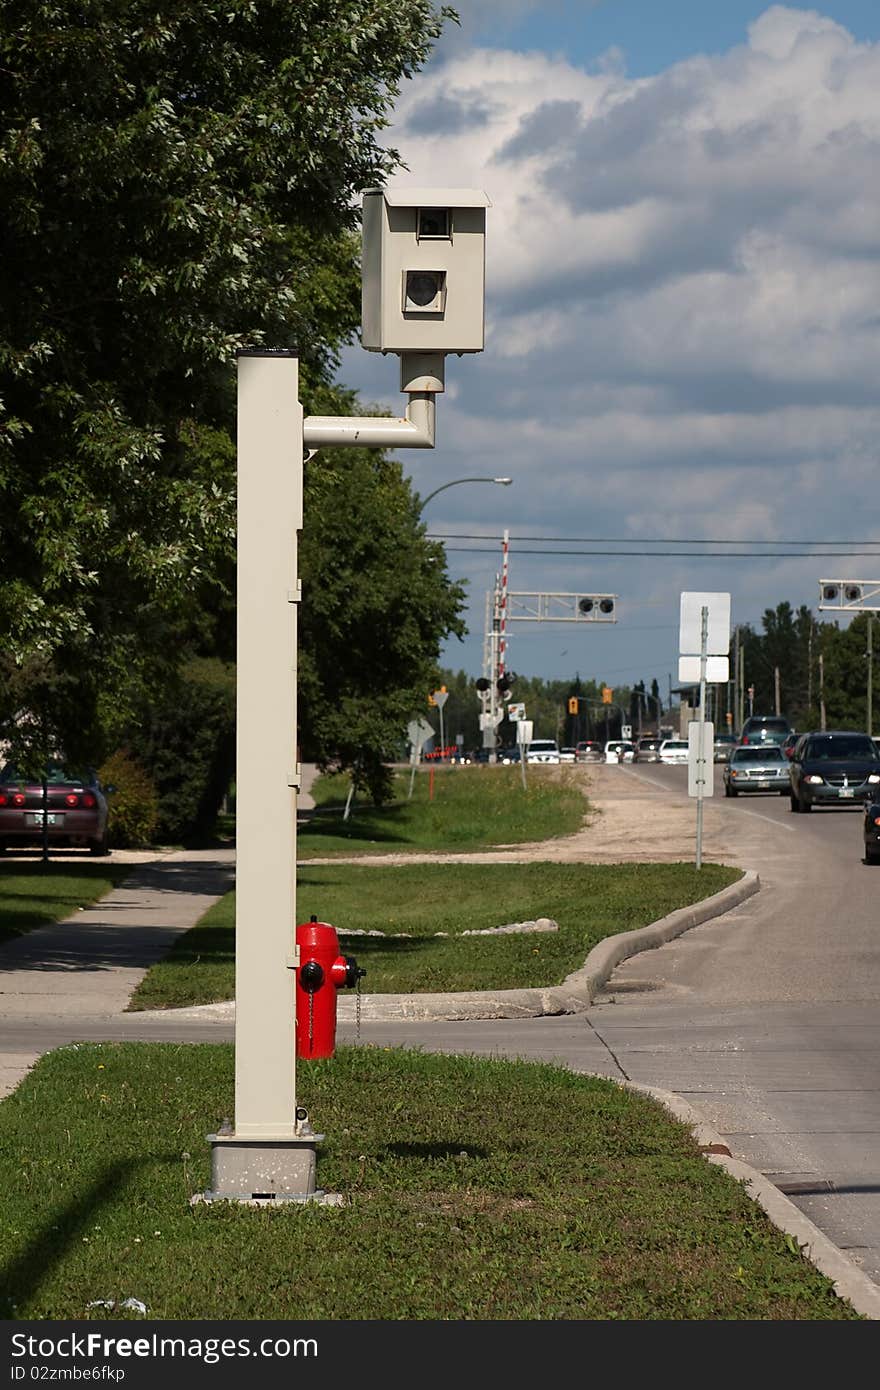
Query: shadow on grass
x=373, y=827
x=64, y=1227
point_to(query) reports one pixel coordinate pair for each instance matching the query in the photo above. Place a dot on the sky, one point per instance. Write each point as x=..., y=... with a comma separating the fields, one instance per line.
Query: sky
x=682, y=314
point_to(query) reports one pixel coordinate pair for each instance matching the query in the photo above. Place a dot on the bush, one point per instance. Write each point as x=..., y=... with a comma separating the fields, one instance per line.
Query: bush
x=134, y=805
x=186, y=740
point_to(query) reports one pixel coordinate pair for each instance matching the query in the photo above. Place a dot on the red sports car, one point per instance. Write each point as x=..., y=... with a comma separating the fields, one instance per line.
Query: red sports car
x=75, y=810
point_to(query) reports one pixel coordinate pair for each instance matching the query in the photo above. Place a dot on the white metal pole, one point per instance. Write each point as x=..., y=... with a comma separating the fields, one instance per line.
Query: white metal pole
x=271, y=1152
x=701, y=750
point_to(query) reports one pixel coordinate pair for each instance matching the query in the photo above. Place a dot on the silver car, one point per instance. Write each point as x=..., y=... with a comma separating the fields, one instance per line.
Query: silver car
x=751, y=768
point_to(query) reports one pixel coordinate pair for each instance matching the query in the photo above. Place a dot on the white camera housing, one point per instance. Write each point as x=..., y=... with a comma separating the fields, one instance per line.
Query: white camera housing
x=423, y=270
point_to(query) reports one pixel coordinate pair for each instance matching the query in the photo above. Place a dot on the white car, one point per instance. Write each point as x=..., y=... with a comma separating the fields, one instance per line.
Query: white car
x=567, y=755
x=615, y=746
x=674, y=750
x=543, y=750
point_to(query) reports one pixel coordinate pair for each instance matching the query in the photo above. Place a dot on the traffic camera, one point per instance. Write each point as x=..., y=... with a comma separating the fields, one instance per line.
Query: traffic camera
x=423, y=270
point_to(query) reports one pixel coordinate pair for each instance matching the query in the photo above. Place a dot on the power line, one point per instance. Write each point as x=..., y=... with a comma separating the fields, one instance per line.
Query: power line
x=678, y=554
x=635, y=540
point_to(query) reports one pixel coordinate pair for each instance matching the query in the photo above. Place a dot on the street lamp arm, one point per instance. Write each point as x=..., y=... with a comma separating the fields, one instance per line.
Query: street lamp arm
x=455, y=481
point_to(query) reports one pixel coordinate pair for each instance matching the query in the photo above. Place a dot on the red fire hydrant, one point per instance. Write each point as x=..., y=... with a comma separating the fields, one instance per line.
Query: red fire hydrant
x=322, y=971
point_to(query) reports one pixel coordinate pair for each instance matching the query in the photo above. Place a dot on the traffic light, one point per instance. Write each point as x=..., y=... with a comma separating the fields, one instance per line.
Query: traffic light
x=607, y=695
x=572, y=704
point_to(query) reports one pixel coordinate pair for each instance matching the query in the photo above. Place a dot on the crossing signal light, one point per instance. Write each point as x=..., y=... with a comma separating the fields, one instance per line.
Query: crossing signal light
x=853, y=593
x=830, y=591
x=607, y=695
x=572, y=704
x=505, y=681
x=606, y=605
x=585, y=605
x=482, y=684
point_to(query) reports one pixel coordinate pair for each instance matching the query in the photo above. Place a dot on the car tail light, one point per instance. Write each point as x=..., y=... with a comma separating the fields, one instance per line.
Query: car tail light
x=877, y=820
x=18, y=798
x=90, y=800
x=744, y=739
x=71, y=799
x=3, y=798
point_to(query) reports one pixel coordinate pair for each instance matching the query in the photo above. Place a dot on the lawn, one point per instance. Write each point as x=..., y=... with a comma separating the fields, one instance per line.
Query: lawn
x=471, y=808
x=412, y=903
x=33, y=894
x=474, y=1189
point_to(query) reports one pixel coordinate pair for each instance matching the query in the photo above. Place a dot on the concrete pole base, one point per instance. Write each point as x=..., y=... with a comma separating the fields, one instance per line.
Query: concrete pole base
x=264, y=1171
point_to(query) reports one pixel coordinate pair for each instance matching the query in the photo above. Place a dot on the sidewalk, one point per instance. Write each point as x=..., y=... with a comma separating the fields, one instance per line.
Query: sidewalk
x=87, y=966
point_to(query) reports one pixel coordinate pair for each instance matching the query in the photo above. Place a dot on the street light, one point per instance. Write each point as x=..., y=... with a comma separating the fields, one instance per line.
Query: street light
x=505, y=482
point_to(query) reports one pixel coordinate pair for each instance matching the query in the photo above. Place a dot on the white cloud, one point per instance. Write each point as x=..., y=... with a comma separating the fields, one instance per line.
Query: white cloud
x=684, y=283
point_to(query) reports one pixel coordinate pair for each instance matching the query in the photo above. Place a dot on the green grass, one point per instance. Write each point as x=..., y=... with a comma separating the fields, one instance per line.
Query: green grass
x=33, y=894
x=589, y=901
x=475, y=1189
x=473, y=808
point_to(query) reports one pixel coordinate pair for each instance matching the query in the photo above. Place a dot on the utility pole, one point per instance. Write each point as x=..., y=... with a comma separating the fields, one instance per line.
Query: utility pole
x=870, y=655
x=822, y=692
x=776, y=689
x=810, y=666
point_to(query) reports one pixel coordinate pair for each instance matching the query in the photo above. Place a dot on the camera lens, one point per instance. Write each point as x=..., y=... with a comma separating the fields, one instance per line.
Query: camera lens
x=422, y=287
x=433, y=222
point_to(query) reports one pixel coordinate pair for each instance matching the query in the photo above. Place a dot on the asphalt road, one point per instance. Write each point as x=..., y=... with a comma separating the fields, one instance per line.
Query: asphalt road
x=767, y=1021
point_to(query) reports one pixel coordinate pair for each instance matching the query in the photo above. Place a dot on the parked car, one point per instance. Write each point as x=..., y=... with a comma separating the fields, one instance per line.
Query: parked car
x=755, y=769
x=75, y=809
x=832, y=768
x=724, y=746
x=619, y=750
x=765, y=728
x=674, y=750
x=589, y=751
x=509, y=755
x=647, y=750
x=543, y=750
x=568, y=755
x=872, y=831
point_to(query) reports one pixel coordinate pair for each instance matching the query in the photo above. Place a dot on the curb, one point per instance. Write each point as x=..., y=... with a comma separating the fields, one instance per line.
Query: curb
x=573, y=996
x=850, y=1282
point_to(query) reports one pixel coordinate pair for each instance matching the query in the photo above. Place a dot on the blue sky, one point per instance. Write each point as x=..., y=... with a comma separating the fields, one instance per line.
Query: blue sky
x=683, y=311
x=652, y=34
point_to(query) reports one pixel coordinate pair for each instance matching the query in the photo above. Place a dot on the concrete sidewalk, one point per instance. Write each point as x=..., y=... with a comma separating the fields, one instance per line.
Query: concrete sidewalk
x=87, y=966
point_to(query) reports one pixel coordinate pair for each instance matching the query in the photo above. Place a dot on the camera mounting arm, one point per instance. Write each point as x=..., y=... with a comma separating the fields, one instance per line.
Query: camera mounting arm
x=422, y=378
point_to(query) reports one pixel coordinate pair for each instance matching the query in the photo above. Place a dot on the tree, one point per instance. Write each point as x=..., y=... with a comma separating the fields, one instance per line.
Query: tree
x=377, y=601
x=178, y=180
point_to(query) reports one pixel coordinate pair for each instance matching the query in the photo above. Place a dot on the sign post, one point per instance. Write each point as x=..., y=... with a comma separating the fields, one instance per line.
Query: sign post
x=704, y=641
x=440, y=697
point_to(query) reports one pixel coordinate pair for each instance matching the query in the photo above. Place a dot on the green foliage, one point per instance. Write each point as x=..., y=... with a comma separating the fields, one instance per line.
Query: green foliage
x=178, y=179
x=134, y=803
x=421, y=919
x=185, y=737
x=377, y=602
x=476, y=1189
x=819, y=663
x=457, y=808
x=31, y=895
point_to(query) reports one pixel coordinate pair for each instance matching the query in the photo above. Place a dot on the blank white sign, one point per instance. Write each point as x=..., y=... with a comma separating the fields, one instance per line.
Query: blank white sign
x=690, y=630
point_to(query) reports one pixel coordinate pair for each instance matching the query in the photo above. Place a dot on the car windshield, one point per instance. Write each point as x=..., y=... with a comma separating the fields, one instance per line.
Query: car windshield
x=674, y=743
x=543, y=745
x=840, y=747
x=758, y=755
x=56, y=775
